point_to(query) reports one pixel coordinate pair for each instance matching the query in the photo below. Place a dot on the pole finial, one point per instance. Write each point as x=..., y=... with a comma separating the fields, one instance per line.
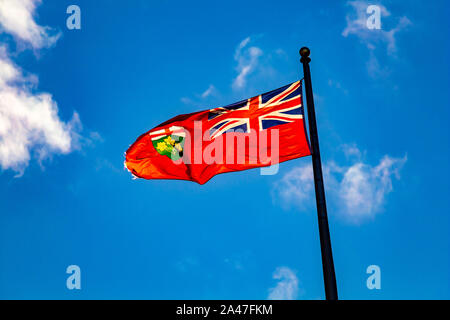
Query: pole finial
x=305, y=52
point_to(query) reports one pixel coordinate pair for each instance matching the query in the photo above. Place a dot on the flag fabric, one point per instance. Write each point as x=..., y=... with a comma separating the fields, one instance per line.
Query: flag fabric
x=256, y=132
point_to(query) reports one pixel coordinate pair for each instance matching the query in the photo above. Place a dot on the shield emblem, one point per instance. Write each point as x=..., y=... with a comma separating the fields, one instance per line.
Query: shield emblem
x=169, y=142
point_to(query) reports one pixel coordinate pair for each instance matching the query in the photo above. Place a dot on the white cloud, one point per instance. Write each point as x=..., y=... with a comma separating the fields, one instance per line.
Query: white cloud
x=287, y=286
x=363, y=188
x=357, y=19
x=295, y=187
x=357, y=25
x=29, y=121
x=351, y=151
x=357, y=191
x=16, y=18
x=247, y=59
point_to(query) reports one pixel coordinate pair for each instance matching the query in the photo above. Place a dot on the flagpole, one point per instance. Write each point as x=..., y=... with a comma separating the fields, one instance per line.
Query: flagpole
x=329, y=276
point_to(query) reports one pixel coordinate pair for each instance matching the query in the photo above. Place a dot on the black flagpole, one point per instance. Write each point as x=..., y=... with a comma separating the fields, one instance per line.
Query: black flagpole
x=329, y=277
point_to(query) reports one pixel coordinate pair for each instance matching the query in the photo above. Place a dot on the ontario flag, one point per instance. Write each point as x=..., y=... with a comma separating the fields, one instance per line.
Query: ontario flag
x=256, y=132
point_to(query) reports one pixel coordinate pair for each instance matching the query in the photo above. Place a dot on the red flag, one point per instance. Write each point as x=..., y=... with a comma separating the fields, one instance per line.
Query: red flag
x=257, y=132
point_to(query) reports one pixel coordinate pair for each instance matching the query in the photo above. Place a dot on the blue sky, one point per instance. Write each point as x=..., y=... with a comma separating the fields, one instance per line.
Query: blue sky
x=382, y=110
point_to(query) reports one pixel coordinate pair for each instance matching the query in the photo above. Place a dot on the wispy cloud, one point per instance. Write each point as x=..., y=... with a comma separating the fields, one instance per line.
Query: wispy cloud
x=357, y=25
x=374, y=38
x=337, y=84
x=29, y=121
x=187, y=263
x=247, y=58
x=199, y=99
x=16, y=18
x=287, y=287
x=357, y=190
x=208, y=92
x=295, y=187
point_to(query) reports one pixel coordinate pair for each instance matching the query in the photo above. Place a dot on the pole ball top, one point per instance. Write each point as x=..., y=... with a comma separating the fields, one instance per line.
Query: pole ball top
x=305, y=52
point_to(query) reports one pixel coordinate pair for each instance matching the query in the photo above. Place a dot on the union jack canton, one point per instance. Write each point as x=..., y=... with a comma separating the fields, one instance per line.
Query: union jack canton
x=274, y=108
